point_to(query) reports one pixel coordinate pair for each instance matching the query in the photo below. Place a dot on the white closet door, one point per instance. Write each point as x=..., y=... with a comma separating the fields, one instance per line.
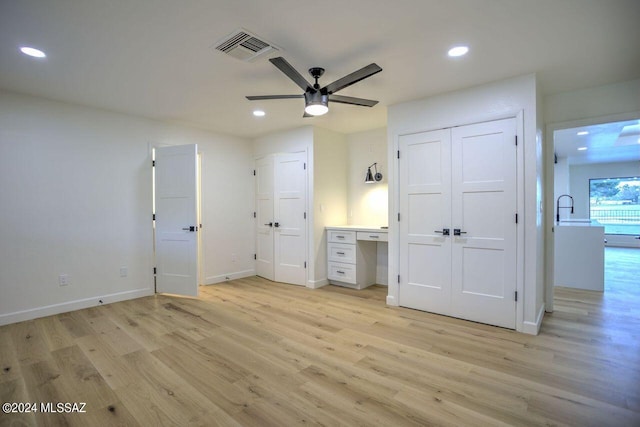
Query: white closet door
x=483, y=209
x=264, y=217
x=289, y=218
x=425, y=206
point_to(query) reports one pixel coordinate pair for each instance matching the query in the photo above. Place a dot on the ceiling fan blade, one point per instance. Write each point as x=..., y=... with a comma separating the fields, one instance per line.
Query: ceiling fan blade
x=261, y=97
x=352, y=78
x=351, y=100
x=291, y=72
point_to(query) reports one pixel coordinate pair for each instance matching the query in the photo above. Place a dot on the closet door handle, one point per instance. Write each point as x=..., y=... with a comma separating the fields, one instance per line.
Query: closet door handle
x=270, y=224
x=457, y=232
x=444, y=232
x=276, y=225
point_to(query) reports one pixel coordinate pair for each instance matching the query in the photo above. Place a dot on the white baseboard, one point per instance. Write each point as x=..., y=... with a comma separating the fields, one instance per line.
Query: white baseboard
x=315, y=284
x=212, y=280
x=48, y=310
x=533, y=328
x=391, y=300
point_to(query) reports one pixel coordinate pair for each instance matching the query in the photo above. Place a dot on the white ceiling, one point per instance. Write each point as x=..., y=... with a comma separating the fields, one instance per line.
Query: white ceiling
x=152, y=58
x=602, y=143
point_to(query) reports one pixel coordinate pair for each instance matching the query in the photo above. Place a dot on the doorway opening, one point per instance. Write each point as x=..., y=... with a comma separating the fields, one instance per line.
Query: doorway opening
x=595, y=163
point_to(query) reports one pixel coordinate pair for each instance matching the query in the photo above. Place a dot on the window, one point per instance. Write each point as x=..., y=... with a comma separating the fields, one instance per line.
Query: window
x=615, y=203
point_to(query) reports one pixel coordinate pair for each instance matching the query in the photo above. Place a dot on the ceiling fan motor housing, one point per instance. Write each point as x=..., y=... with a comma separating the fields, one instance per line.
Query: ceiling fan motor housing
x=317, y=98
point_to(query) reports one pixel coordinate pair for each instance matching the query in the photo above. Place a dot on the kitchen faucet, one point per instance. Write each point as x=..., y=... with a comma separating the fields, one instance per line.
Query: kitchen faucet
x=558, y=207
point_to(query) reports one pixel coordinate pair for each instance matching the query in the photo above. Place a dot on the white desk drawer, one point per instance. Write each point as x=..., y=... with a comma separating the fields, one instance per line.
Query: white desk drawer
x=342, y=272
x=339, y=236
x=341, y=252
x=373, y=236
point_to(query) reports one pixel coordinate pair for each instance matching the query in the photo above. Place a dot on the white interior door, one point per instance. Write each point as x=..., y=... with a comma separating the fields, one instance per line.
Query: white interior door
x=460, y=181
x=484, y=210
x=176, y=232
x=290, y=218
x=425, y=203
x=264, y=217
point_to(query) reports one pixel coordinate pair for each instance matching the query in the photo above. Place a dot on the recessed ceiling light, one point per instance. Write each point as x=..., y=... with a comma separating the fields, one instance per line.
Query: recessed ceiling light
x=458, y=51
x=258, y=113
x=582, y=148
x=31, y=51
x=583, y=133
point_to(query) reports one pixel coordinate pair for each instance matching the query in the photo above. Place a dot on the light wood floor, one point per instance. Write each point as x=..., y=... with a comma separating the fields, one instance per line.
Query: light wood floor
x=257, y=353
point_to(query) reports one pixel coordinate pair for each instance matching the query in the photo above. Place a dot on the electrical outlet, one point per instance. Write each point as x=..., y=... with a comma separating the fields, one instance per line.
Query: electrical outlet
x=124, y=271
x=63, y=280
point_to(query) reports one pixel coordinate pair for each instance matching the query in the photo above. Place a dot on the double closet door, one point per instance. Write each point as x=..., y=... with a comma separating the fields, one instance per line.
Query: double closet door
x=281, y=182
x=458, y=223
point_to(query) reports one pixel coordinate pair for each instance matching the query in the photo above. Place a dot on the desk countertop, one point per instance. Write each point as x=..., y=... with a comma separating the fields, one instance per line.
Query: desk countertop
x=368, y=228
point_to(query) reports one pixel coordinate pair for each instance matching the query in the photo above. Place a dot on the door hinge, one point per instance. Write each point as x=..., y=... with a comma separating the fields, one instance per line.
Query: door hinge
x=254, y=214
x=154, y=270
x=516, y=218
x=304, y=166
x=398, y=278
x=154, y=217
x=255, y=256
x=153, y=163
x=254, y=172
x=516, y=140
x=305, y=215
x=305, y=264
x=398, y=153
x=398, y=216
x=516, y=296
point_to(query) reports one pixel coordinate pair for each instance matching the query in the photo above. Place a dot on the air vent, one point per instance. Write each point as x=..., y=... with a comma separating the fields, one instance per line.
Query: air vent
x=243, y=45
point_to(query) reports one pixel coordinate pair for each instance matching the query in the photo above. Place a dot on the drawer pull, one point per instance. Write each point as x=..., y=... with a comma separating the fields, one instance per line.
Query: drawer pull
x=373, y=237
x=339, y=237
x=339, y=272
x=340, y=253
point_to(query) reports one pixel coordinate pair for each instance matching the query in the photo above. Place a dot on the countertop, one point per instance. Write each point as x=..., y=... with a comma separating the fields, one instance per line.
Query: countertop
x=579, y=223
x=370, y=228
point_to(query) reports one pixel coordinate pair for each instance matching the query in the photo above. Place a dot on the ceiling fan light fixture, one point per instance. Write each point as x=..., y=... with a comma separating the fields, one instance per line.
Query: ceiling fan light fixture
x=316, y=104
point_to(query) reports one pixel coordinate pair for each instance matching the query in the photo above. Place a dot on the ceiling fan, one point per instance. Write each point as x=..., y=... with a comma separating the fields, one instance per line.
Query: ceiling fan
x=317, y=99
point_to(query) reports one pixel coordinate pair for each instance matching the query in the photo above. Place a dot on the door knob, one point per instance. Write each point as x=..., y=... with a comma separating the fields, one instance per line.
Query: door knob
x=444, y=232
x=277, y=224
x=270, y=224
x=190, y=228
x=458, y=232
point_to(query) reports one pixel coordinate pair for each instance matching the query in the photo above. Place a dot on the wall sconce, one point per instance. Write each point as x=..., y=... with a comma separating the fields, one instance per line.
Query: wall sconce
x=372, y=178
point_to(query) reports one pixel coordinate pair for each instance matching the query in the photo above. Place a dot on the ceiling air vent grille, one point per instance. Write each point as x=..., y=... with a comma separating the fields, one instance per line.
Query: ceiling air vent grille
x=245, y=46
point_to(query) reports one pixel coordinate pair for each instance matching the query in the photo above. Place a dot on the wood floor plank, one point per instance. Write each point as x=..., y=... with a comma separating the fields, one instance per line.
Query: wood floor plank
x=253, y=352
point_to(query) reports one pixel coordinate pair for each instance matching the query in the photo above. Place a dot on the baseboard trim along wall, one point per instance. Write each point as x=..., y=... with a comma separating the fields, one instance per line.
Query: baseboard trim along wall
x=531, y=327
x=315, y=284
x=65, y=307
x=212, y=280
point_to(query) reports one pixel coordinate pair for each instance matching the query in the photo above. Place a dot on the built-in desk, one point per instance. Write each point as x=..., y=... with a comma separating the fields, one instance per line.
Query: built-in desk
x=352, y=255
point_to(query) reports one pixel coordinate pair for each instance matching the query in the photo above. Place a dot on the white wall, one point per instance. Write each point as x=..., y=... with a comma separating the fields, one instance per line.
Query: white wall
x=561, y=178
x=368, y=203
x=502, y=99
x=330, y=165
x=75, y=186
